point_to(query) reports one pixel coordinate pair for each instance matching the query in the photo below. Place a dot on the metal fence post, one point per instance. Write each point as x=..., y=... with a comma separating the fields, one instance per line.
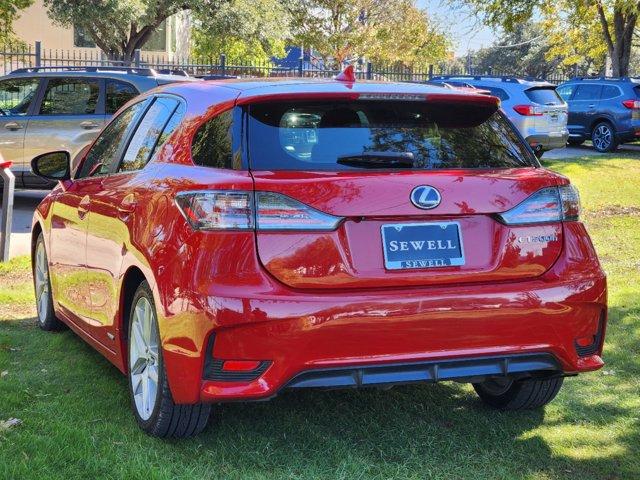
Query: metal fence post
x=136, y=57
x=38, y=53
x=223, y=63
x=430, y=72
x=301, y=65
x=369, y=70
x=7, y=208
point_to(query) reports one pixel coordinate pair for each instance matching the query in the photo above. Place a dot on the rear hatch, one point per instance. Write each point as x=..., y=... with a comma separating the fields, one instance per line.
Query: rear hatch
x=414, y=187
x=553, y=111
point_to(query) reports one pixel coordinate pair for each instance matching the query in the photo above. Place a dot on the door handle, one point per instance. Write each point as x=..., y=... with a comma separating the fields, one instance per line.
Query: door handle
x=12, y=126
x=88, y=125
x=127, y=206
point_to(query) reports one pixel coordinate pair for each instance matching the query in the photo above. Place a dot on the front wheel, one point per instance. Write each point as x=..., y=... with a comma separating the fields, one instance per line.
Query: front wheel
x=47, y=319
x=151, y=399
x=604, y=138
x=507, y=394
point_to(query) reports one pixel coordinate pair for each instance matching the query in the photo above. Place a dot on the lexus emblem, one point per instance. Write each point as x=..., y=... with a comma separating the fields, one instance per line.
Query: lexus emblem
x=425, y=197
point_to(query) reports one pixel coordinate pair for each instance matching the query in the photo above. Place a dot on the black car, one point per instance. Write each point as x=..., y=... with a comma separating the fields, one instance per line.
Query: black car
x=603, y=109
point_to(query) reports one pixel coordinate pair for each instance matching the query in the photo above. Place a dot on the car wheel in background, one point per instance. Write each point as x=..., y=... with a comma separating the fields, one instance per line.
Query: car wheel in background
x=507, y=394
x=151, y=399
x=603, y=137
x=47, y=319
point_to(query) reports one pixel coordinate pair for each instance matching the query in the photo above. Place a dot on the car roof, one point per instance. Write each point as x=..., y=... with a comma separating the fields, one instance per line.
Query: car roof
x=136, y=76
x=618, y=80
x=502, y=80
x=261, y=87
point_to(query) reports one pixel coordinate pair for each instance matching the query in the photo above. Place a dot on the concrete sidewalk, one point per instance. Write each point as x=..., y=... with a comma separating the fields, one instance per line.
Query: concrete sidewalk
x=25, y=202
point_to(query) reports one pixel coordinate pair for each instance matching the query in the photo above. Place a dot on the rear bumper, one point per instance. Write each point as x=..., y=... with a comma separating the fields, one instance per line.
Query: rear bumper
x=548, y=142
x=407, y=334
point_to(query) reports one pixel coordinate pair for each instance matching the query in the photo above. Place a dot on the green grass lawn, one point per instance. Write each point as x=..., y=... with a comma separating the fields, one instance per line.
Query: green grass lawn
x=76, y=421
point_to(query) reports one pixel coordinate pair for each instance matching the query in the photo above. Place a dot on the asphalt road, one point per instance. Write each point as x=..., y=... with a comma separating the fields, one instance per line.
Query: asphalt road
x=26, y=200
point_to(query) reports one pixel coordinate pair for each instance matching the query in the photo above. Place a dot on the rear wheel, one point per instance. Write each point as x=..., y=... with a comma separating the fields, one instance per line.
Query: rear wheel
x=507, y=394
x=47, y=319
x=603, y=137
x=151, y=399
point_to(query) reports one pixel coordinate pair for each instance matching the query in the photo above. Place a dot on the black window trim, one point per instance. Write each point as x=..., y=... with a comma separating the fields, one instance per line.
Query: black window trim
x=134, y=128
x=127, y=137
x=100, y=104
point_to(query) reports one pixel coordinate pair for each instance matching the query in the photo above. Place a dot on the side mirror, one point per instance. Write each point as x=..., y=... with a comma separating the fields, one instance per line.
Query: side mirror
x=52, y=166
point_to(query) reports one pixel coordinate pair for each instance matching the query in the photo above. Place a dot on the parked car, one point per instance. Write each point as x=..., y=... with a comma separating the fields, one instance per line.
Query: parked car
x=231, y=240
x=51, y=108
x=602, y=109
x=533, y=106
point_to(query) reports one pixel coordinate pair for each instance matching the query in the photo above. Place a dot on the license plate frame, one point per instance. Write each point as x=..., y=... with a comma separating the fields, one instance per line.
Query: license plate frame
x=413, y=260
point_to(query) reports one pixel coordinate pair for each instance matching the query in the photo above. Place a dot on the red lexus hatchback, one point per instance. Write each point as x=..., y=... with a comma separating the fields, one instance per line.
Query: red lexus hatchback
x=231, y=240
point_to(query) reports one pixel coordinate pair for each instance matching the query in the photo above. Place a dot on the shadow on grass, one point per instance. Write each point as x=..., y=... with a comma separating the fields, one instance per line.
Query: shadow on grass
x=420, y=431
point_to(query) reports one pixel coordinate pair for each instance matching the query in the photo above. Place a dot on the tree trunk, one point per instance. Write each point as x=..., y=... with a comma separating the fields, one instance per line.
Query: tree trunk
x=619, y=44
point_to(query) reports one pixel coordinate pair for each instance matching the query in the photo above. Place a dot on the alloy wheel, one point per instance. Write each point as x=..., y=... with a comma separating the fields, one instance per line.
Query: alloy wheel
x=42, y=282
x=144, y=358
x=602, y=137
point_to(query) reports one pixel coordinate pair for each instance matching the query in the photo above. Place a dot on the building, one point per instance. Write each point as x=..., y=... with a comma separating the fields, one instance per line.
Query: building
x=170, y=41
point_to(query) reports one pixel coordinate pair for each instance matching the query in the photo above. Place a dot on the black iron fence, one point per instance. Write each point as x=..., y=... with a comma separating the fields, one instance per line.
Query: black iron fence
x=36, y=56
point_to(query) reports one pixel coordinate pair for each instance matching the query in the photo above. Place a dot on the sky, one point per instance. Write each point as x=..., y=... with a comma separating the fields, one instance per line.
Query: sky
x=467, y=34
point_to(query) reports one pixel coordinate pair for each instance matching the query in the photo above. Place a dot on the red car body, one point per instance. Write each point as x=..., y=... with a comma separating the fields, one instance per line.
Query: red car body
x=294, y=306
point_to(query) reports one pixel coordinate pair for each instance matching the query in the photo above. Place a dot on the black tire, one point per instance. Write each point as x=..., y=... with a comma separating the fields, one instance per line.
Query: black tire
x=167, y=418
x=520, y=394
x=603, y=137
x=47, y=319
x=575, y=142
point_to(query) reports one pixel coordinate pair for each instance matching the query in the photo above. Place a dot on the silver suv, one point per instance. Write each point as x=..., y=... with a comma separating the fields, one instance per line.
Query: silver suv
x=63, y=108
x=534, y=107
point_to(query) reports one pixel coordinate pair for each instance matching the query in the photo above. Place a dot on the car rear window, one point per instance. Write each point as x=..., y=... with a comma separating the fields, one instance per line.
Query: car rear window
x=334, y=136
x=637, y=90
x=544, y=96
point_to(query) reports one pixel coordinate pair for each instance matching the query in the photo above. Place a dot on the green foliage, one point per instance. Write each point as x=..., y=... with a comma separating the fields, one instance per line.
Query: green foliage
x=119, y=27
x=9, y=11
x=248, y=30
x=578, y=28
x=388, y=31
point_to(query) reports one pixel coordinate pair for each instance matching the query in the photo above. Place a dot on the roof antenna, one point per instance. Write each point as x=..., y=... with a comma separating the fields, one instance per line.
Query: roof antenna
x=346, y=75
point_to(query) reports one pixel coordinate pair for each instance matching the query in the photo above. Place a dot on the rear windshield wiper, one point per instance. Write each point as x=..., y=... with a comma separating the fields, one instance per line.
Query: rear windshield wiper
x=378, y=160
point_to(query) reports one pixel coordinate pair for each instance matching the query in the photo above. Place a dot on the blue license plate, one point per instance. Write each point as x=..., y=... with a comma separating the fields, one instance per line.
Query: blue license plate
x=422, y=245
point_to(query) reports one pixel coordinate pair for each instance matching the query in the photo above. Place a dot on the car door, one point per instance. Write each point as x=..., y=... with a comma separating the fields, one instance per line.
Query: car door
x=71, y=282
x=112, y=216
x=16, y=107
x=583, y=106
x=70, y=115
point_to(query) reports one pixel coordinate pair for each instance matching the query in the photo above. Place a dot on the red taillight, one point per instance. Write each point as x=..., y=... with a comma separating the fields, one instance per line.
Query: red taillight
x=240, y=365
x=528, y=110
x=551, y=204
x=632, y=104
x=241, y=210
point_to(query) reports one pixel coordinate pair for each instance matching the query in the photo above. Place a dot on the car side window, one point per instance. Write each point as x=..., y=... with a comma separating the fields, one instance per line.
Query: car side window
x=17, y=94
x=496, y=92
x=145, y=139
x=212, y=144
x=117, y=94
x=610, y=91
x=103, y=153
x=565, y=91
x=587, y=92
x=70, y=96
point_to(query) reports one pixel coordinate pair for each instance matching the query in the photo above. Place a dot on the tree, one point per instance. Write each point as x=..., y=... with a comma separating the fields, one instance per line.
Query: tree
x=251, y=30
x=9, y=11
x=382, y=30
x=120, y=27
x=616, y=20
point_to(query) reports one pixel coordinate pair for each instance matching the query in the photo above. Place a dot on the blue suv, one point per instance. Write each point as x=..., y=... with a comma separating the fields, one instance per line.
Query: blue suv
x=602, y=109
